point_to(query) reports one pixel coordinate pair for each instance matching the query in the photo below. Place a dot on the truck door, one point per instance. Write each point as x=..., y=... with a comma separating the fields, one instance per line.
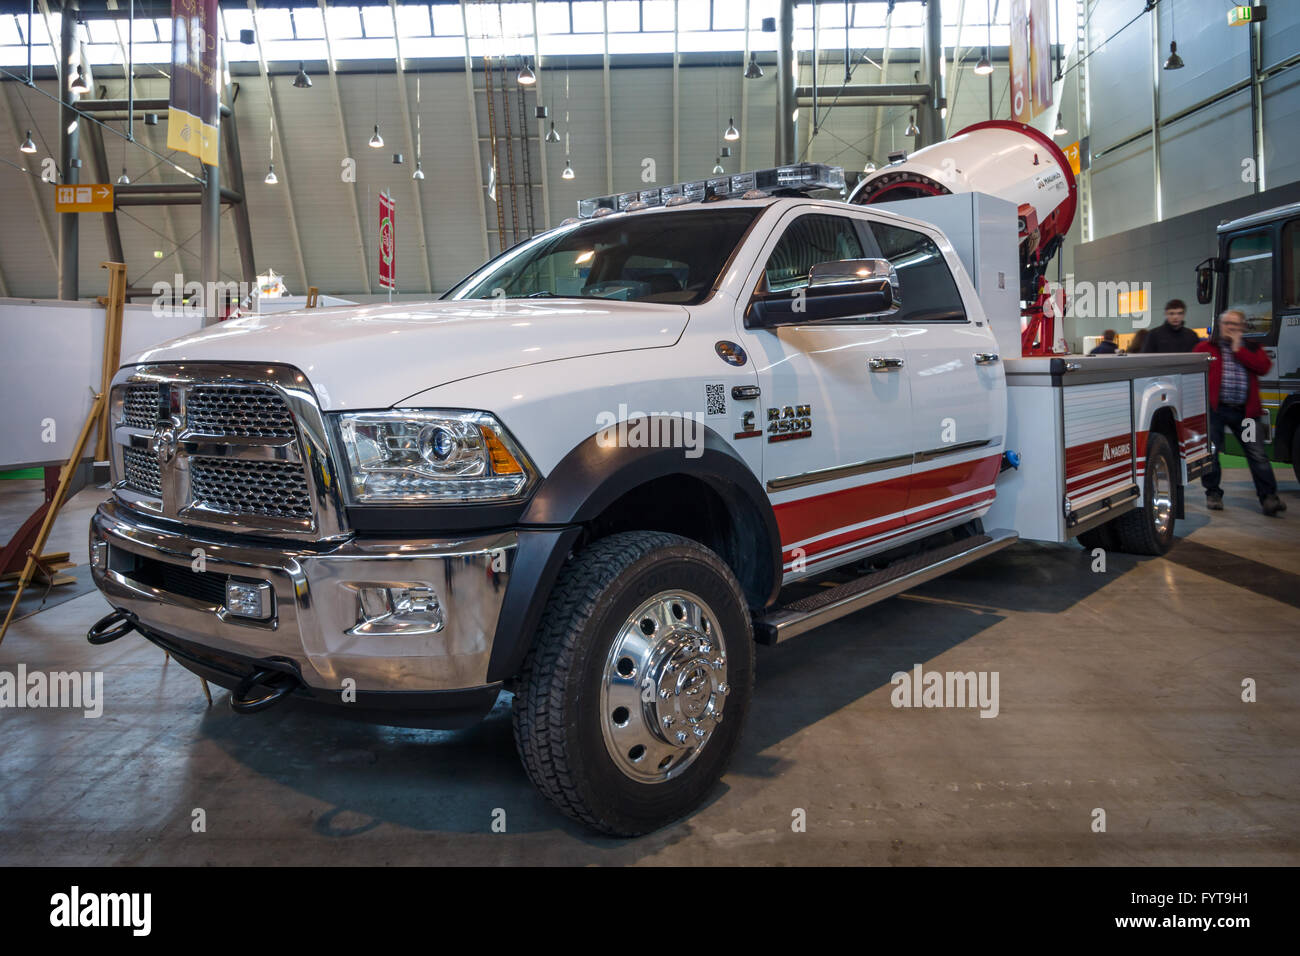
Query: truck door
x=1281, y=389
x=956, y=376
x=1250, y=288
x=836, y=435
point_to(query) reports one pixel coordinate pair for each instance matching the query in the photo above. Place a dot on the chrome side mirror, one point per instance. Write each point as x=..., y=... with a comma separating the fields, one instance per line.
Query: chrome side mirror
x=844, y=290
x=874, y=278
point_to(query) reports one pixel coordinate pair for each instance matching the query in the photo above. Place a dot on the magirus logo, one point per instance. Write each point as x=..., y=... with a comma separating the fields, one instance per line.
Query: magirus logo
x=1109, y=451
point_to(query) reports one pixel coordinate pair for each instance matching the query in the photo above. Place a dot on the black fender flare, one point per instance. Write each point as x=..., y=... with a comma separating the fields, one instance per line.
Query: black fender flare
x=591, y=477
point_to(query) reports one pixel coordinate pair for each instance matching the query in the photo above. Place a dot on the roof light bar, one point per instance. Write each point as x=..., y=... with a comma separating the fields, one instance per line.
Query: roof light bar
x=798, y=178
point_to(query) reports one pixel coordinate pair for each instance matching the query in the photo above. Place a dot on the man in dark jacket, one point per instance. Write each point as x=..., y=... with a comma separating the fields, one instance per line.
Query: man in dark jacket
x=1173, y=336
x=1107, y=344
x=1235, y=367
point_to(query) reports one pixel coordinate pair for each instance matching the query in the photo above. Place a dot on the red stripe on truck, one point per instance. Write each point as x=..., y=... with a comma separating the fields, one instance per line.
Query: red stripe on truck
x=882, y=504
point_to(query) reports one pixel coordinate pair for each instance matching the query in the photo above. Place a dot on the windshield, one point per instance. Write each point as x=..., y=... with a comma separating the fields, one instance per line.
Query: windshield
x=665, y=257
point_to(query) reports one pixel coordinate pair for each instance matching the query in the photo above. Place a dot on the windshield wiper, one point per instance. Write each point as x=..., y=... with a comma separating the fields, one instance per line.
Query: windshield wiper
x=542, y=294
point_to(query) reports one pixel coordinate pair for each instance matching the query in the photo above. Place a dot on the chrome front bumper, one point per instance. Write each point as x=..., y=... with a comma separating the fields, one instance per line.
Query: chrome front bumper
x=315, y=601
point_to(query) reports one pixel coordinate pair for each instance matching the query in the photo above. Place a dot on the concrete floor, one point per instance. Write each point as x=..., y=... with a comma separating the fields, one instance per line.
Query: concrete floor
x=1119, y=690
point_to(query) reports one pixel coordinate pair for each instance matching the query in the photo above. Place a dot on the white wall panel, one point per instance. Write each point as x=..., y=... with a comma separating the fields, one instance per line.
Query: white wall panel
x=1123, y=189
x=1216, y=55
x=451, y=189
x=1119, y=72
x=1282, y=128
x=642, y=121
x=1280, y=33
x=586, y=128
x=1193, y=176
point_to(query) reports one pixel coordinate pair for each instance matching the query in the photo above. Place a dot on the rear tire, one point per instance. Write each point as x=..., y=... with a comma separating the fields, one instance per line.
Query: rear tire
x=1103, y=536
x=1149, y=529
x=645, y=637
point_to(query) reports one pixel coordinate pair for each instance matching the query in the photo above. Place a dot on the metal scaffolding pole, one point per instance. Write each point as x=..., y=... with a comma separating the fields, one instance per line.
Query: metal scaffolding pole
x=931, y=118
x=210, y=238
x=99, y=157
x=235, y=173
x=69, y=153
x=785, y=83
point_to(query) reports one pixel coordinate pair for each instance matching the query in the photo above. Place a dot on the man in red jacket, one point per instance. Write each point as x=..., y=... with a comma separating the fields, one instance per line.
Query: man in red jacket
x=1235, y=367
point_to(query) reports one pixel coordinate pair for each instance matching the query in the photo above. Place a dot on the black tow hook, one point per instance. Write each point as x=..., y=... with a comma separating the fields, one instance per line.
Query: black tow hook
x=110, y=627
x=279, y=684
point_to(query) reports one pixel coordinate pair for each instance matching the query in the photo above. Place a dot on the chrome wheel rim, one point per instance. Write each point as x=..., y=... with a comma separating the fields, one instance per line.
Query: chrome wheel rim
x=663, y=687
x=1162, y=495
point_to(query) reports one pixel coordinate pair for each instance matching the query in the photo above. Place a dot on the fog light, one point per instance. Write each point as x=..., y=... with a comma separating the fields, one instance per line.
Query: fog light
x=98, y=554
x=397, y=609
x=248, y=599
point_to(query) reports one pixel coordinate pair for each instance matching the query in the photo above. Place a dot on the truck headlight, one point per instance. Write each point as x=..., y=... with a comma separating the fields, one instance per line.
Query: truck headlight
x=405, y=455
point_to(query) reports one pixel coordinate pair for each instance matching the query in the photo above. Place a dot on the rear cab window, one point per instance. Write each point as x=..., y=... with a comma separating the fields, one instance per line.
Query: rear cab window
x=928, y=291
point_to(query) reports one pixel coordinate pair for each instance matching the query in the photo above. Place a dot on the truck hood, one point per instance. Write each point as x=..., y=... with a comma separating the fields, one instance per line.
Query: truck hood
x=373, y=356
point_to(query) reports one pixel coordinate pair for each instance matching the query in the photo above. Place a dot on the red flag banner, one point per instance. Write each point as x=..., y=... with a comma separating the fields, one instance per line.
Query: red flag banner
x=387, y=242
x=192, y=113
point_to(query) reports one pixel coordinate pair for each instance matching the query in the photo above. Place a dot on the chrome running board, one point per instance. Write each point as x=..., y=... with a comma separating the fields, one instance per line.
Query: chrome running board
x=790, y=620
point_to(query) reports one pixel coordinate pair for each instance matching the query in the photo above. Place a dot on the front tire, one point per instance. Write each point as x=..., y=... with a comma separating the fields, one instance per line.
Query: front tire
x=630, y=704
x=1150, y=528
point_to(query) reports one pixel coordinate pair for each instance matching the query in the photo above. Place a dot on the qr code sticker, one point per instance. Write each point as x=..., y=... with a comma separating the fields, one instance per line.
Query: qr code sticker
x=715, y=400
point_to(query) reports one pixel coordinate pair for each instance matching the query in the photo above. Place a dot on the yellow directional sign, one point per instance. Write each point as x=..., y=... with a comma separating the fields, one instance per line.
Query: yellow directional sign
x=89, y=197
x=1072, y=154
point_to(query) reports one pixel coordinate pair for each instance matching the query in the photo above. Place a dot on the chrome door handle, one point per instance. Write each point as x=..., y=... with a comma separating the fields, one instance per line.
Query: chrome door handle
x=882, y=364
x=985, y=358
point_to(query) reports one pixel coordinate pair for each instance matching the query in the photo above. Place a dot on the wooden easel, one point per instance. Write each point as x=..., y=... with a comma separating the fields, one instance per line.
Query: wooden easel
x=114, y=306
x=60, y=495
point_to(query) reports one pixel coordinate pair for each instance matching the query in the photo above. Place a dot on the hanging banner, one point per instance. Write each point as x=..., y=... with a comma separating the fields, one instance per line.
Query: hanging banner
x=1040, y=54
x=1021, y=105
x=387, y=242
x=192, y=112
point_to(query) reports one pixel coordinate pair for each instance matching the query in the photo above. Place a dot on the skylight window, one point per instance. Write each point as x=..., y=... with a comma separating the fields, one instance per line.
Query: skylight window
x=377, y=21
x=413, y=21
x=308, y=24
x=343, y=22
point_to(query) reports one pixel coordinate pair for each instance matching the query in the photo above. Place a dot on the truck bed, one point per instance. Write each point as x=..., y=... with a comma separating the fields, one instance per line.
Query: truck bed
x=1080, y=426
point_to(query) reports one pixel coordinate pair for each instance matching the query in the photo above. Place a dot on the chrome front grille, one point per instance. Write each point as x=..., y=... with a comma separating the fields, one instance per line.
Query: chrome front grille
x=140, y=405
x=249, y=411
x=239, y=447
x=141, y=472
x=273, y=489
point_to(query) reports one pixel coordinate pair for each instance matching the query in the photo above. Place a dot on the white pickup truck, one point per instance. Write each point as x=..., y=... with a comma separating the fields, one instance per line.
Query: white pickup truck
x=590, y=473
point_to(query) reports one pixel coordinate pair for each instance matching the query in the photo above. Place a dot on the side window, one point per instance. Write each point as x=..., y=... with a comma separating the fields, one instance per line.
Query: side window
x=1250, y=280
x=1291, y=264
x=925, y=285
x=807, y=241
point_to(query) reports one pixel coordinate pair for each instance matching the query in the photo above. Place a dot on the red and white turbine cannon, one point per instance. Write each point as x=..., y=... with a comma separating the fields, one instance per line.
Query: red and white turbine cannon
x=1014, y=162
